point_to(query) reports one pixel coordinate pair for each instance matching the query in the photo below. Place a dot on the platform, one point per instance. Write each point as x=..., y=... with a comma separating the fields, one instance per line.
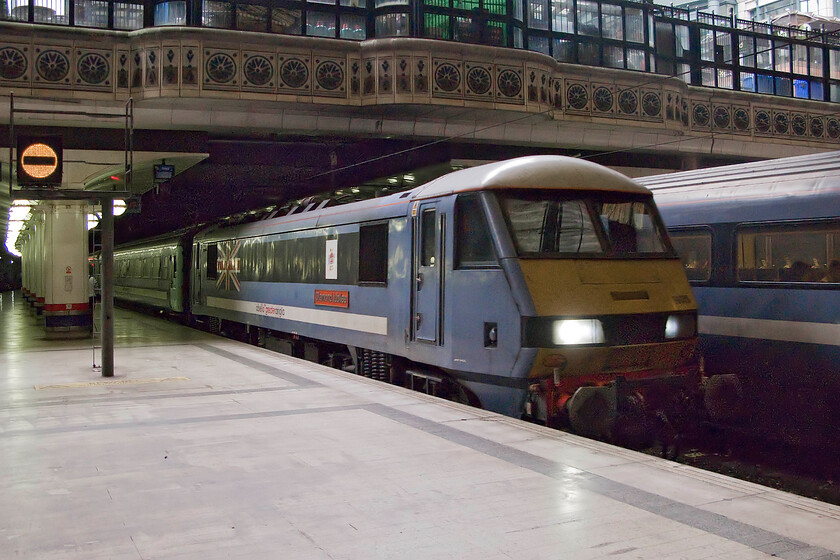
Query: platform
x=205, y=448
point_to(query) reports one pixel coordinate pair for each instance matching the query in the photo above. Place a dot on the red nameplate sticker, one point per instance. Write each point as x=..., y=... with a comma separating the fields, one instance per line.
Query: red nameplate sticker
x=332, y=298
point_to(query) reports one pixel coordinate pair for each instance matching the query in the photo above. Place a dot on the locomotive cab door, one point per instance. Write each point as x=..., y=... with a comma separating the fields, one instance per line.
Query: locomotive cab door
x=426, y=286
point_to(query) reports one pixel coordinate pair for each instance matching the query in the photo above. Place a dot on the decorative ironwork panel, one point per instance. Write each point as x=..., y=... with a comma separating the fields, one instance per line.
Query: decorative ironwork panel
x=577, y=97
x=123, y=69
x=93, y=69
x=369, y=76
x=603, y=99
x=53, y=66
x=190, y=64
x=816, y=126
x=402, y=78
x=293, y=73
x=781, y=123
x=448, y=79
x=169, y=66
x=14, y=63
x=479, y=80
x=258, y=73
x=628, y=102
x=652, y=105
x=701, y=116
x=355, y=77
x=385, y=71
x=421, y=75
x=741, y=119
x=832, y=128
x=721, y=117
x=557, y=93
x=330, y=77
x=799, y=124
x=152, y=67
x=136, y=61
x=763, y=121
x=221, y=68
x=509, y=86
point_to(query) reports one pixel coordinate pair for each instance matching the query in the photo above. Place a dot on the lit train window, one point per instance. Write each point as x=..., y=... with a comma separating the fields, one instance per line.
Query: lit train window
x=547, y=226
x=789, y=253
x=695, y=251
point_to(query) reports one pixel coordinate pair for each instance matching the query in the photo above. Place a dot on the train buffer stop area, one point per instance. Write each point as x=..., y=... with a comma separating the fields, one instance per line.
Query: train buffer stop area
x=203, y=447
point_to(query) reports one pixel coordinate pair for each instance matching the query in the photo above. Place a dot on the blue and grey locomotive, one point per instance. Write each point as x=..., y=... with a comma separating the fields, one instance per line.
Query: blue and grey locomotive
x=543, y=284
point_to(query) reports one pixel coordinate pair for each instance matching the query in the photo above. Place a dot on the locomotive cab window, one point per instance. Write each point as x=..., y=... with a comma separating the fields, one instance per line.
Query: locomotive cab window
x=545, y=223
x=373, y=254
x=473, y=245
x=428, y=238
x=795, y=253
x=695, y=250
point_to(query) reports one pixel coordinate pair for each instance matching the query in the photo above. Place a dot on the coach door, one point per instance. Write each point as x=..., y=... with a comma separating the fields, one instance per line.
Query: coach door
x=427, y=277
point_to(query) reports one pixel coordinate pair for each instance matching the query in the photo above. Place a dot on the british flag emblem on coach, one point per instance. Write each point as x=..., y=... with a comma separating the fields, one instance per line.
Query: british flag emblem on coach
x=228, y=265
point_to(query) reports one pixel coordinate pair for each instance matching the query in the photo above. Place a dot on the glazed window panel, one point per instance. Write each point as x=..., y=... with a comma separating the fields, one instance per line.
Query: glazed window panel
x=288, y=22
x=436, y=26
x=781, y=56
x=352, y=27
x=17, y=10
x=682, y=41
x=91, y=13
x=834, y=64
x=538, y=44
x=373, y=253
x=613, y=56
x=723, y=48
x=217, y=14
x=467, y=30
x=563, y=16
x=496, y=6
x=538, y=14
x=746, y=50
x=724, y=79
x=564, y=51
x=634, y=20
x=800, y=253
x=816, y=61
x=800, y=59
x=589, y=54
x=320, y=24
x=763, y=54
x=519, y=9
x=817, y=90
x=587, y=18
x=128, y=16
x=784, y=86
x=801, y=89
x=392, y=25
x=383, y=3
x=747, y=81
x=612, y=24
x=707, y=44
x=251, y=17
x=695, y=251
x=473, y=244
x=171, y=13
x=52, y=11
x=636, y=59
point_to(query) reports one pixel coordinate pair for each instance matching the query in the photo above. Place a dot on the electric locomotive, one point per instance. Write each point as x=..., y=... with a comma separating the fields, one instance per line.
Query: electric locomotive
x=543, y=286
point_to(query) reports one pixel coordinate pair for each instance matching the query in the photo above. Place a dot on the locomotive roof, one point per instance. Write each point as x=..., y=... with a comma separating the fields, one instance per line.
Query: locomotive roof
x=530, y=172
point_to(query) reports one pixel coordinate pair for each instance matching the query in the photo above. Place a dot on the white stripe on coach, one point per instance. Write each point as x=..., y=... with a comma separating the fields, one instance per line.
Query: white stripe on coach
x=788, y=331
x=342, y=320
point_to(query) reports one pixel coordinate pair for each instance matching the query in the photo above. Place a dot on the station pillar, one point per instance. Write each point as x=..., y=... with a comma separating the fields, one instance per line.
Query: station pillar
x=65, y=269
x=36, y=276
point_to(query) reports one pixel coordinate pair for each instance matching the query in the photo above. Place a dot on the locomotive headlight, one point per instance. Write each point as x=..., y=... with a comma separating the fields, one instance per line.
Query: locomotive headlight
x=680, y=326
x=578, y=331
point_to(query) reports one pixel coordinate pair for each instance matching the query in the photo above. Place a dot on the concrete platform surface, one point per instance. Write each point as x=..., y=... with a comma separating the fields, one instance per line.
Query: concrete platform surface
x=204, y=448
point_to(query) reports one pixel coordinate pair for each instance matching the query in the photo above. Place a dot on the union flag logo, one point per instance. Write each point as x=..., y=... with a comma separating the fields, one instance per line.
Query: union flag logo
x=228, y=265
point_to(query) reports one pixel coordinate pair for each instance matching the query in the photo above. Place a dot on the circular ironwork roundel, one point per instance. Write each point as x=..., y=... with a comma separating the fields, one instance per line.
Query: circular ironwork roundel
x=651, y=104
x=702, y=117
x=833, y=129
x=52, y=66
x=799, y=125
x=817, y=128
x=221, y=68
x=447, y=77
x=762, y=121
x=294, y=73
x=780, y=123
x=741, y=118
x=329, y=75
x=627, y=101
x=602, y=98
x=722, y=118
x=93, y=68
x=576, y=96
x=258, y=70
x=478, y=78
x=510, y=84
x=13, y=63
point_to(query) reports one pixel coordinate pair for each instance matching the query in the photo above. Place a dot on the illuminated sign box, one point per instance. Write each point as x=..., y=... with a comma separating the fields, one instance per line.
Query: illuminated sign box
x=164, y=173
x=39, y=160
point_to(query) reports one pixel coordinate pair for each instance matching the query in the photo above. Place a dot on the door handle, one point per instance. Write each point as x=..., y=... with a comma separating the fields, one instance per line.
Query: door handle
x=418, y=318
x=419, y=280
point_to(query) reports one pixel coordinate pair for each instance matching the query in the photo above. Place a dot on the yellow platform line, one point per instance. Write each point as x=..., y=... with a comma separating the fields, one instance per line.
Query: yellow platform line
x=111, y=382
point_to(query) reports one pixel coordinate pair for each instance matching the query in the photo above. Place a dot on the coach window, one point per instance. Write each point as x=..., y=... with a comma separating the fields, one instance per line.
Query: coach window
x=428, y=238
x=212, y=264
x=373, y=254
x=782, y=253
x=473, y=246
x=695, y=251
